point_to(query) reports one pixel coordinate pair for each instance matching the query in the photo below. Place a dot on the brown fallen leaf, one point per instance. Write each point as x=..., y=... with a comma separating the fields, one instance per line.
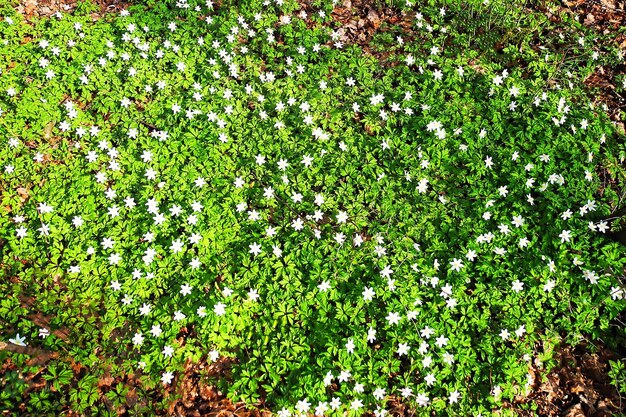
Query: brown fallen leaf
x=575, y=411
x=47, y=131
x=131, y=397
x=23, y=193
x=105, y=381
x=608, y=3
x=29, y=7
x=373, y=17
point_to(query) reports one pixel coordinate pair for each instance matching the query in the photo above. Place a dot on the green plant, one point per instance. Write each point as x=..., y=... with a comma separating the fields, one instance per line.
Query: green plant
x=192, y=182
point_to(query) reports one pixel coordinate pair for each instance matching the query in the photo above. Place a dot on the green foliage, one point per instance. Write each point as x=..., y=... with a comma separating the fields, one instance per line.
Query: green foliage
x=194, y=183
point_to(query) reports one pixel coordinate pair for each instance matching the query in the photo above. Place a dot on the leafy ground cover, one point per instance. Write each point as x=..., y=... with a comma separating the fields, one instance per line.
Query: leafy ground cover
x=243, y=199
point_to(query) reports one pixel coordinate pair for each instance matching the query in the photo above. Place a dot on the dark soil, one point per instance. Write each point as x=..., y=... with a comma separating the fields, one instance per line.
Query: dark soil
x=46, y=8
x=606, y=18
x=579, y=386
x=195, y=396
x=191, y=394
x=360, y=20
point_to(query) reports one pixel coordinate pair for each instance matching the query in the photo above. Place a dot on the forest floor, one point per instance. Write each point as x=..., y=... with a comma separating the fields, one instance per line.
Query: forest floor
x=579, y=385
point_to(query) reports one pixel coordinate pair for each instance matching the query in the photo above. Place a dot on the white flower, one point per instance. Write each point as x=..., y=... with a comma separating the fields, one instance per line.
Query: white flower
x=422, y=186
x=219, y=309
x=253, y=295
x=307, y=160
x=324, y=286
x=167, y=377
x=156, y=330
x=303, y=406
x=371, y=335
x=403, y=349
x=342, y=216
x=430, y=379
x=406, y=392
x=591, y=276
x=114, y=258
x=379, y=393
x=321, y=408
x=255, y=249
x=18, y=340
x=145, y=309
x=195, y=263
x=344, y=376
x=283, y=412
x=393, y=318
x=448, y=358
x=356, y=404
x=368, y=293
x=45, y=208
x=441, y=341
x=268, y=192
x=185, y=289
x=376, y=99
x=176, y=246
x=499, y=251
x=297, y=224
x=253, y=215
x=137, y=339
x=454, y=397
x=617, y=293
x=328, y=379
x=350, y=346
x=427, y=361
x=456, y=264
x=21, y=232
x=426, y=332
x=386, y=272
x=167, y=351
x=296, y=197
